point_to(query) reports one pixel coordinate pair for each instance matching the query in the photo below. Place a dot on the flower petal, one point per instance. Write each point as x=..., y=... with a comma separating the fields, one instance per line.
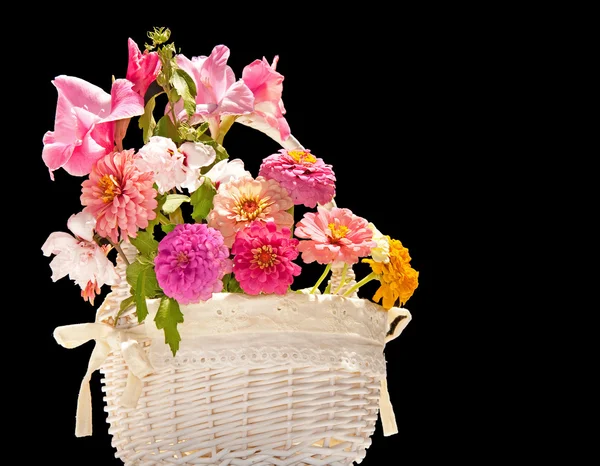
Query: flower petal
x=125, y=102
x=82, y=225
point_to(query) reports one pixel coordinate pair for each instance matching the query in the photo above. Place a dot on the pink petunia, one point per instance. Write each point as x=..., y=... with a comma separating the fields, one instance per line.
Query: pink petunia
x=308, y=179
x=85, y=122
x=263, y=258
x=142, y=68
x=119, y=196
x=267, y=86
x=243, y=200
x=191, y=263
x=334, y=235
x=218, y=93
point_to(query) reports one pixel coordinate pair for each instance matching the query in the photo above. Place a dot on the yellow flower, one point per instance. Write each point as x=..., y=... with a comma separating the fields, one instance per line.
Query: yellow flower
x=397, y=278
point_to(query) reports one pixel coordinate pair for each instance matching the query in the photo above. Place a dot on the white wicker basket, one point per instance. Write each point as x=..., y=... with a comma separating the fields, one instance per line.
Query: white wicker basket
x=258, y=380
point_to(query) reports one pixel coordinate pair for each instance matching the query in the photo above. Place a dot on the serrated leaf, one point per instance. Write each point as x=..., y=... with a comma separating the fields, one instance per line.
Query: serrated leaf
x=139, y=294
x=151, y=287
x=145, y=243
x=168, y=228
x=167, y=317
x=173, y=201
x=161, y=200
x=202, y=200
x=186, y=89
x=146, y=121
x=166, y=128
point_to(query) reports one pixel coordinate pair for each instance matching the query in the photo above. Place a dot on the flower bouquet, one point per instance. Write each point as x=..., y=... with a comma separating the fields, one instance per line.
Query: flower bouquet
x=209, y=354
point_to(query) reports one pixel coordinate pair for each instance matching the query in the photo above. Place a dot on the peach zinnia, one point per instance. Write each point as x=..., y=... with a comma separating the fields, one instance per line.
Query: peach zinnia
x=243, y=200
x=119, y=196
x=334, y=235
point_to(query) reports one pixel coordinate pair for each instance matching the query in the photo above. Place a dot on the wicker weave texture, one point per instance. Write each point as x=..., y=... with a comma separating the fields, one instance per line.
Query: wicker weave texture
x=277, y=415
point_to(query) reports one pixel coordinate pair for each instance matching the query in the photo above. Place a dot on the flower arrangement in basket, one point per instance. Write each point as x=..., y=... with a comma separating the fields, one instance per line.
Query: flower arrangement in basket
x=209, y=353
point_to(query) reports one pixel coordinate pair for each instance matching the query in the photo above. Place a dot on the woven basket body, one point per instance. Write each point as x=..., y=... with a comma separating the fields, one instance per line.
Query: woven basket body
x=258, y=380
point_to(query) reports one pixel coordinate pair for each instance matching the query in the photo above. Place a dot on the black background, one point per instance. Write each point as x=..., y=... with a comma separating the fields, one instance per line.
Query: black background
x=360, y=92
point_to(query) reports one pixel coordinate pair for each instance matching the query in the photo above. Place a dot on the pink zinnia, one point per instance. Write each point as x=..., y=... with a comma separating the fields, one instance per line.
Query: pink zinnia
x=119, y=196
x=191, y=263
x=334, y=235
x=246, y=199
x=308, y=179
x=263, y=258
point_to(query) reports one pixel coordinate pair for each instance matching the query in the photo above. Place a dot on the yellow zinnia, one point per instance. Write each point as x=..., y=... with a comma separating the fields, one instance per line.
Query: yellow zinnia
x=397, y=278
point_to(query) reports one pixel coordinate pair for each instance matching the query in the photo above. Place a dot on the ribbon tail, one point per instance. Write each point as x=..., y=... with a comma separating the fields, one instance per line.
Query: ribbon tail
x=83, y=418
x=139, y=367
x=388, y=418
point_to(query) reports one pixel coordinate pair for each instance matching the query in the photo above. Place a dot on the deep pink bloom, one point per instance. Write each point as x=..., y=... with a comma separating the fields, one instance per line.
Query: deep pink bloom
x=334, y=235
x=218, y=93
x=263, y=258
x=119, y=196
x=267, y=86
x=243, y=200
x=84, y=125
x=191, y=263
x=308, y=179
x=142, y=68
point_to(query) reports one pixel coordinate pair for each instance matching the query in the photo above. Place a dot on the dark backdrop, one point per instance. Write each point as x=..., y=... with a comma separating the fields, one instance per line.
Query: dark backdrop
x=359, y=96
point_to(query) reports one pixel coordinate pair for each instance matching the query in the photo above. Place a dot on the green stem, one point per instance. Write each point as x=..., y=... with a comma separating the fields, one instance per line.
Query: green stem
x=321, y=278
x=367, y=279
x=226, y=124
x=162, y=219
x=120, y=251
x=343, y=279
x=291, y=212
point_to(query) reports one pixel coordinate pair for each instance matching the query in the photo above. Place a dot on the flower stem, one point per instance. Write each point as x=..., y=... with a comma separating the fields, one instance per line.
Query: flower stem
x=343, y=279
x=226, y=124
x=321, y=278
x=163, y=220
x=291, y=212
x=120, y=251
x=367, y=279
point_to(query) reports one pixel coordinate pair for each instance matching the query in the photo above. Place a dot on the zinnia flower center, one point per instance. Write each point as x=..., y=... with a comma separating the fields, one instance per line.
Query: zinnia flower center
x=301, y=156
x=338, y=231
x=109, y=186
x=249, y=209
x=264, y=256
x=182, y=259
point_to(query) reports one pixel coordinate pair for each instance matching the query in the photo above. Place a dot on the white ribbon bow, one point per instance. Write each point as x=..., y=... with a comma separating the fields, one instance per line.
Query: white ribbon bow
x=108, y=339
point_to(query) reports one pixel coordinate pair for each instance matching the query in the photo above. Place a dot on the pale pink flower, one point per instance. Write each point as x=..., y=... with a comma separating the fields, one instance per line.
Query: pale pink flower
x=174, y=167
x=263, y=258
x=119, y=196
x=142, y=68
x=84, y=125
x=80, y=257
x=226, y=170
x=308, y=179
x=267, y=86
x=334, y=235
x=197, y=156
x=218, y=93
x=191, y=263
x=243, y=200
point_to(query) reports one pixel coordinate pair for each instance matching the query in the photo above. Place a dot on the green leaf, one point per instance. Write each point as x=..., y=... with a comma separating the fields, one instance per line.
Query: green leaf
x=145, y=243
x=146, y=121
x=125, y=304
x=161, y=200
x=231, y=285
x=140, y=295
x=186, y=89
x=151, y=287
x=168, y=316
x=202, y=200
x=166, y=128
x=168, y=228
x=173, y=201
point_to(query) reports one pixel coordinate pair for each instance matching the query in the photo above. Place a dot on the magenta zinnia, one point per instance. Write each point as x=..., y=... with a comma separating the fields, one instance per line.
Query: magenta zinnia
x=308, y=179
x=263, y=258
x=334, y=235
x=243, y=200
x=119, y=196
x=191, y=263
